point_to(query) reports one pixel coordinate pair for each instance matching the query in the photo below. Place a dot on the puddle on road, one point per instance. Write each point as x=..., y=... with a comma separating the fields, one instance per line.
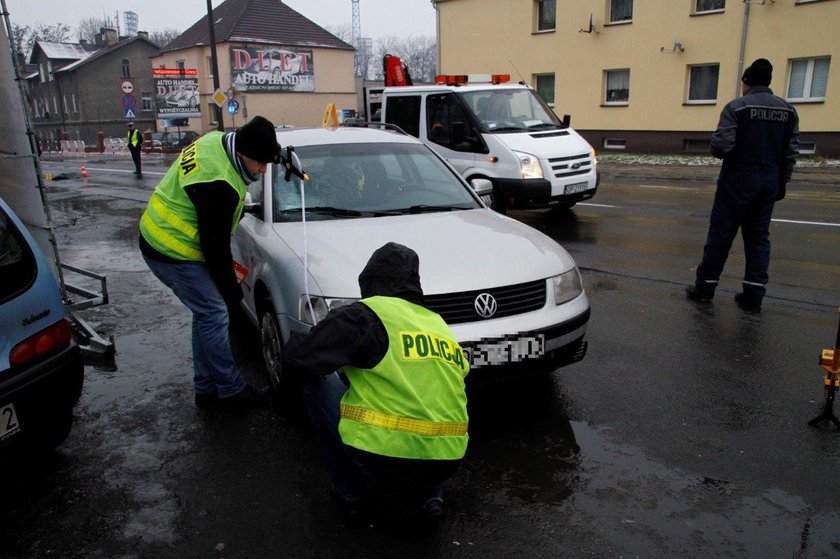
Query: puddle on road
x=644, y=505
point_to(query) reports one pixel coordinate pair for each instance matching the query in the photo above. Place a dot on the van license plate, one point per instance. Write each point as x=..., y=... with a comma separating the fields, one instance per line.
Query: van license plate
x=576, y=187
x=9, y=424
x=503, y=352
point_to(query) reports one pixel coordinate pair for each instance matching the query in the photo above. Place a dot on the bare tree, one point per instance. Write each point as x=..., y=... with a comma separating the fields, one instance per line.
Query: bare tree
x=56, y=33
x=163, y=37
x=21, y=35
x=343, y=31
x=89, y=27
x=419, y=54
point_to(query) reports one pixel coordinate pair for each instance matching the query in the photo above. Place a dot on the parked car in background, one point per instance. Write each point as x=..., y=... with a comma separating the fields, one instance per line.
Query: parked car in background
x=173, y=140
x=512, y=296
x=41, y=368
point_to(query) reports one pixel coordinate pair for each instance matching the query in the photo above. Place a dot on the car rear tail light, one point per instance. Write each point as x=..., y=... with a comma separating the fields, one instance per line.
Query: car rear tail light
x=50, y=340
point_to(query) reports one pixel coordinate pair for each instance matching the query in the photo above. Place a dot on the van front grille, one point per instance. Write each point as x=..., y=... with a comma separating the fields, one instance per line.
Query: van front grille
x=571, y=165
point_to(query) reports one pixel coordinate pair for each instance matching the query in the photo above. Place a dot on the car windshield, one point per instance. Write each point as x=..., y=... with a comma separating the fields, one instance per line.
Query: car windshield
x=510, y=110
x=370, y=180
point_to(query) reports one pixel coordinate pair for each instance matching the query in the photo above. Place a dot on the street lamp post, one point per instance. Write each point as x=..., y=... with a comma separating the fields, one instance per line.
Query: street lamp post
x=219, y=124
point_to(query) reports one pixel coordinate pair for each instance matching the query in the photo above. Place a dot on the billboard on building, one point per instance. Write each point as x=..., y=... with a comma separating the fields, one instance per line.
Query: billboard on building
x=272, y=68
x=176, y=93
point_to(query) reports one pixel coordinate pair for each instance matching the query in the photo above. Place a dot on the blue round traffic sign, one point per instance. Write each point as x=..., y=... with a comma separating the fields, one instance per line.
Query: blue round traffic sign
x=128, y=101
x=233, y=106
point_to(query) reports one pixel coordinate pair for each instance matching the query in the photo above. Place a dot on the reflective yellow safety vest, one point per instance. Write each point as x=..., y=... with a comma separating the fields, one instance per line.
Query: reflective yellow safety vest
x=133, y=137
x=381, y=413
x=169, y=223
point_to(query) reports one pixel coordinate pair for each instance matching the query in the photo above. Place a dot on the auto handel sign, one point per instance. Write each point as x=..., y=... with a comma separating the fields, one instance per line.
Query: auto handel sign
x=176, y=93
x=272, y=69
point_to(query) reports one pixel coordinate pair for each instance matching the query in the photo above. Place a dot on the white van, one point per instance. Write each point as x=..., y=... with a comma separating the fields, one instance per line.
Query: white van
x=498, y=132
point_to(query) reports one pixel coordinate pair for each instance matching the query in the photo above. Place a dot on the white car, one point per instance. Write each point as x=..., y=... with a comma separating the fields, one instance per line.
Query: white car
x=512, y=296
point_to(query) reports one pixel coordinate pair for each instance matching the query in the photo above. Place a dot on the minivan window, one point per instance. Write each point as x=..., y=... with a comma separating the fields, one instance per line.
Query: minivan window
x=510, y=110
x=17, y=263
x=404, y=111
x=449, y=125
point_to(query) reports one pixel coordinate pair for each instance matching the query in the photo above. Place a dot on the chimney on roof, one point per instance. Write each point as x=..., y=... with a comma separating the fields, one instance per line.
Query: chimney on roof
x=83, y=42
x=106, y=37
x=144, y=34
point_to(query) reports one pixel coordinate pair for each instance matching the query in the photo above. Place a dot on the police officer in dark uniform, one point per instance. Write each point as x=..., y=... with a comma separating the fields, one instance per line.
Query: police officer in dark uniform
x=758, y=139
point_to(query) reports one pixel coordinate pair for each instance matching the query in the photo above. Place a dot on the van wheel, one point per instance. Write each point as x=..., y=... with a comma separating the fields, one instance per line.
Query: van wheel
x=52, y=430
x=271, y=342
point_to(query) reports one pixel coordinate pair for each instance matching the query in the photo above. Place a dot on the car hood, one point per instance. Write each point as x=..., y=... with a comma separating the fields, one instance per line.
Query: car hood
x=459, y=251
x=546, y=143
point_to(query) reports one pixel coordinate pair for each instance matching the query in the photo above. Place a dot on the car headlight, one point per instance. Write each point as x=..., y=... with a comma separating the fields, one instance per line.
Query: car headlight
x=320, y=305
x=529, y=165
x=567, y=286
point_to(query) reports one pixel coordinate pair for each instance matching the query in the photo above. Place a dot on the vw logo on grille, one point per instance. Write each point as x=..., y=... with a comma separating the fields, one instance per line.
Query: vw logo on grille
x=575, y=165
x=485, y=305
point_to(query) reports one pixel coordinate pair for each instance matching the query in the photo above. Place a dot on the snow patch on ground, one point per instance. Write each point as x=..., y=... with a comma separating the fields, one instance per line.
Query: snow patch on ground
x=695, y=160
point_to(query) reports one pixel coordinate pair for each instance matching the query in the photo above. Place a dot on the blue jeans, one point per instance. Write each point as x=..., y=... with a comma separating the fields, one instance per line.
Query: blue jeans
x=214, y=369
x=356, y=475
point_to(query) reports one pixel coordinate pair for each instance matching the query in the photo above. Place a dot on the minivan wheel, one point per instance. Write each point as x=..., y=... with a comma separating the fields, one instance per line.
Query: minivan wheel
x=272, y=345
x=52, y=430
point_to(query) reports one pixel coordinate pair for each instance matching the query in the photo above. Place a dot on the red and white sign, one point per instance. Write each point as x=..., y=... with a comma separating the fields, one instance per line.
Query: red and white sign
x=126, y=86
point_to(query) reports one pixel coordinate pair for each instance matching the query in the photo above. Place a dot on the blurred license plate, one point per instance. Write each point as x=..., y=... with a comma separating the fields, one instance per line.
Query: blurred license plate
x=576, y=187
x=9, y=424
x=503, y=352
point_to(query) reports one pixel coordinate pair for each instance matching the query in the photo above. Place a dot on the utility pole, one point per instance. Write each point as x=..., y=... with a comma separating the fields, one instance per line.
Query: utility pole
x=219, y=124
x=356, y=32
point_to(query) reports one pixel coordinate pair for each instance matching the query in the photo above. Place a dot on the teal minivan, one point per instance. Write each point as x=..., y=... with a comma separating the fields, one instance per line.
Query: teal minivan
x=41, y=367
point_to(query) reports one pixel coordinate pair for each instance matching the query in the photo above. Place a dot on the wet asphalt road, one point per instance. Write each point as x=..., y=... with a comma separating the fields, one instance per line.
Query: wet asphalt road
x=682, y=434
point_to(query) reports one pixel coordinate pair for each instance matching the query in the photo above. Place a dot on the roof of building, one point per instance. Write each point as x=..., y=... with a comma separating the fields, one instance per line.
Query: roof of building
x=61, y=51
x=257, y=21
x=103, y=51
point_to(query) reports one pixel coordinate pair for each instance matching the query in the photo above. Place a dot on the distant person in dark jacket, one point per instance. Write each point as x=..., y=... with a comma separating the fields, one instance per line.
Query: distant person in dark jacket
x=758, y=139
x=135, y=146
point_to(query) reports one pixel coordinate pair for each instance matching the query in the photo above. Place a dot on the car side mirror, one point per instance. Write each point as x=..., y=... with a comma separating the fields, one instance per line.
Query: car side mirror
x=482, y=187
x=567, y=121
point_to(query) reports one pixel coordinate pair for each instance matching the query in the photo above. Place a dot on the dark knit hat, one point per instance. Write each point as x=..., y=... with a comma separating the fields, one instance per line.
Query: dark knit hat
x=258, y=140
x=759, y=72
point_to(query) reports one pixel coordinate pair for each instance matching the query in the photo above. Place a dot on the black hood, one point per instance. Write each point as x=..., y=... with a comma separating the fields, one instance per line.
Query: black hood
x=392, y=271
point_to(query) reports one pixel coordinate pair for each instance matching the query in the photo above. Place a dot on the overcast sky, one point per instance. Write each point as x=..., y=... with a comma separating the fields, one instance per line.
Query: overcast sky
x=378, y=17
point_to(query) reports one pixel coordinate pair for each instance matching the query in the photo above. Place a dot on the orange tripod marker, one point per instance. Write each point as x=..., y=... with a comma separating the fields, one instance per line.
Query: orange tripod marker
x=830, y=361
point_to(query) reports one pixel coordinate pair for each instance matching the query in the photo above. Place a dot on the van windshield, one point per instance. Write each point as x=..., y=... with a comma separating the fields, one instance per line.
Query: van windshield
x=510, y=110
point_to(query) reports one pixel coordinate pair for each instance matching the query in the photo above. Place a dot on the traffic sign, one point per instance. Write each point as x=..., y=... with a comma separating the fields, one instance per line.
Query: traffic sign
x=130, y=113
x=126, y=86
x=128, y=101
x=233, y=106
x=219, y=97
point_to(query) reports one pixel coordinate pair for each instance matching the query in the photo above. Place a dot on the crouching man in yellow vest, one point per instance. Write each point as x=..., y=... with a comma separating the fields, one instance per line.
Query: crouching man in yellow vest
x=399, y=430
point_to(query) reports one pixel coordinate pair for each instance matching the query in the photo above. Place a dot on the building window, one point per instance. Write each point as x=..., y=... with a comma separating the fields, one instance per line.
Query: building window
x=615, y=143
x=545, y=87
x=43, y=71
x=50, y=76
x=807, y=148
x=126, y=68
x=211, y=110
x=147, y=100
x=703, y=83
x=55, y=105
x=617, y=87
x=210, y=67
x=621, y=11
x=546, y=14
x=702, y=6
x=808, y=79
x=180, y=64
x=73, y=101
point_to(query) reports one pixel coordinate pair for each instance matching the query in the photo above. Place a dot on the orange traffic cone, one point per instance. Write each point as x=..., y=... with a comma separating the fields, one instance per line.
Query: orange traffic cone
x=83, y=169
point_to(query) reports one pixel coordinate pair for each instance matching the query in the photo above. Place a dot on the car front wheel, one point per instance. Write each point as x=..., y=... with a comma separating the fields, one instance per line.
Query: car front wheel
x=272, y=345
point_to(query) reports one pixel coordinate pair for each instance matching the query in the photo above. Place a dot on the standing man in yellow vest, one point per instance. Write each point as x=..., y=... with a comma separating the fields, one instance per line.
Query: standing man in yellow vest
x=400, y=429
x=135, y=143
x=185, y=240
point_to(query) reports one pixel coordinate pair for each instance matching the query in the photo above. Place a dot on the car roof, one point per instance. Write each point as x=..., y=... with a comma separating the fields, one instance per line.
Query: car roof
x=465, y=88
x=341, y=135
